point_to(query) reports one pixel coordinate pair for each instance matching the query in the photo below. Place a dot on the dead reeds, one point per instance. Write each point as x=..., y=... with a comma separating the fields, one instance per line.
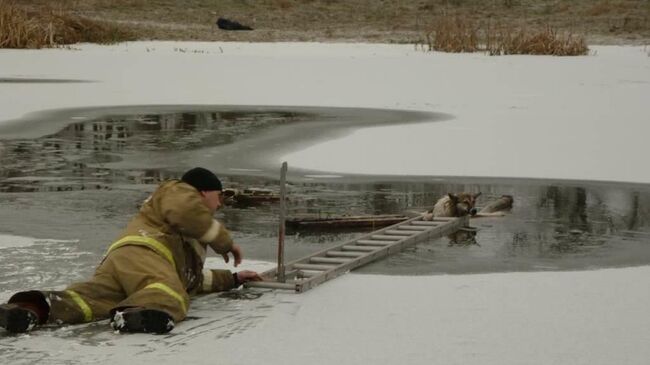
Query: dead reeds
x=26, y=28
x=459, y=34
x=548, y=41
x=16, y=30
x=453, y=35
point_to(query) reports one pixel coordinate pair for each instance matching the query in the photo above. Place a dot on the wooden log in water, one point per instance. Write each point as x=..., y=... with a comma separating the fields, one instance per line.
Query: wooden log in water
x=250, y=196
x=372, y=221
x=499, y=205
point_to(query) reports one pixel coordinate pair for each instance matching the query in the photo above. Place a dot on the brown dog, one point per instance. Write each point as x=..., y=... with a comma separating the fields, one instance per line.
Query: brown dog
x=453, y=205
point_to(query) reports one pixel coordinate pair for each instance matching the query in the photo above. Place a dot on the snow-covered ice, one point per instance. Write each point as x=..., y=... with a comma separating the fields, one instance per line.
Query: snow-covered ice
x=580, y=118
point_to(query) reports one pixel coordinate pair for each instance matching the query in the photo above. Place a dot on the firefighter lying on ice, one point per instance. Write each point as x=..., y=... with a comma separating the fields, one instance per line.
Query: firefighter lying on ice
x=145, y=281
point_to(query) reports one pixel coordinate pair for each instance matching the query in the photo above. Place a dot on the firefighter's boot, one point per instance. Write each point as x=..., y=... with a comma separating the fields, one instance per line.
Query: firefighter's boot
x=17, y=319
x=142, y=320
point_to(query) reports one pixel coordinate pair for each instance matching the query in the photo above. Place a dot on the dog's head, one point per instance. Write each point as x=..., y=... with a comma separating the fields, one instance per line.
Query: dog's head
x=465, y=203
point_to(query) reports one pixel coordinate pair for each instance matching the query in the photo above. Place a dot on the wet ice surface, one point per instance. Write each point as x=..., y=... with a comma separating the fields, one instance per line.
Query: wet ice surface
x=15, y=241
x=213, y=317
x=74, y=190
x=43, y=262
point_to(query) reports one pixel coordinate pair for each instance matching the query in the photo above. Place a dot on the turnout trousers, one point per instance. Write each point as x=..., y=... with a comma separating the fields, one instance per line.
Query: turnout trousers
x=129, y=276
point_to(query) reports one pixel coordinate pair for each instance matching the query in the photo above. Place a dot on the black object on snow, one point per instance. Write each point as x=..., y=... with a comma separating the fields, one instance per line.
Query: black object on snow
x=227, y=24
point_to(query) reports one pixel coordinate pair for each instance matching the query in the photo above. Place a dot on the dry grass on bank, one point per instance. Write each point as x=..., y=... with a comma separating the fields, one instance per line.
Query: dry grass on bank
x=453, y=35
x=458, y=34
x=375, y=21
x=46, y=27
x=544, y=42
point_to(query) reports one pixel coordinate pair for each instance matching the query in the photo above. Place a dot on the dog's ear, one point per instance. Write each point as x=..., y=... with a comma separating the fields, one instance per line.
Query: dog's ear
x=453, y=197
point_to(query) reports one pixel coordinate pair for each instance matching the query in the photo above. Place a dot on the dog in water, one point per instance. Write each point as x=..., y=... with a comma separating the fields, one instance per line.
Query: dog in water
x=453, y=205
x=462, y=204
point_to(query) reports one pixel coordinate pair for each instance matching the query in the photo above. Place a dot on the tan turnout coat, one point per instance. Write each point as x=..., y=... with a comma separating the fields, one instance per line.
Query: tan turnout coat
x=157, y=262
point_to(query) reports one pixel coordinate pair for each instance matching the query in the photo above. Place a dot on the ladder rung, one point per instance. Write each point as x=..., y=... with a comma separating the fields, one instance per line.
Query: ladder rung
x=290, y=273
x=328, y=260
x=399, y=233
x=372, y=243
x=412, y=228
x=313, y=267
x=425, y=223
x=307, y=274
x=344, y=254
x=358, y=248
x=385, y=237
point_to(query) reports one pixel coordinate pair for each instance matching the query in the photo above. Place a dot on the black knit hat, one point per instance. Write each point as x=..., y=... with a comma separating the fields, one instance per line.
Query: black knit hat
x=202, y=179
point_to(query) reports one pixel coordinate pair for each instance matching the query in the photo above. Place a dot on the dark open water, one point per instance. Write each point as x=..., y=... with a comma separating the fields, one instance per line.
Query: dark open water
x=78, y=185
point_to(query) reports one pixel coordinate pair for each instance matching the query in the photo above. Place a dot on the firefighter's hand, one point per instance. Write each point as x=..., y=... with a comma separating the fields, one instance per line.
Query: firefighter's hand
x=247, y=275
x=236, y=253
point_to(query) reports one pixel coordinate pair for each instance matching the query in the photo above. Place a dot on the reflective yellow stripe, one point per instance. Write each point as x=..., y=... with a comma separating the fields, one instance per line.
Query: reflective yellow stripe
x=169, y=291
x=146, y=241
x=88, y=313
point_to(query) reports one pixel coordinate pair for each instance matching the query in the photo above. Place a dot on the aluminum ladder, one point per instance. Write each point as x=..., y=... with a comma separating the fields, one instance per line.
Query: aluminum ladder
x=305, y=273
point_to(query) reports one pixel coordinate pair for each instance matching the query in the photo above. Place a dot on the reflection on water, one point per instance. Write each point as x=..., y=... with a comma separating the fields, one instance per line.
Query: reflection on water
x=63, y=184
x=549, y=228
x=72, y=158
